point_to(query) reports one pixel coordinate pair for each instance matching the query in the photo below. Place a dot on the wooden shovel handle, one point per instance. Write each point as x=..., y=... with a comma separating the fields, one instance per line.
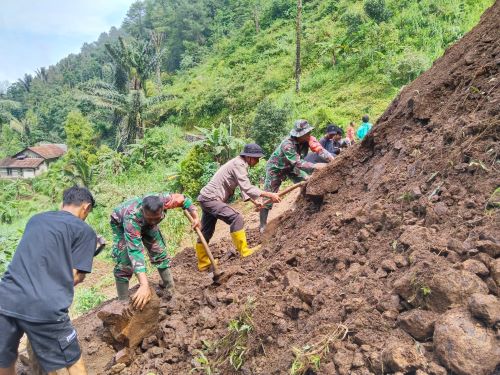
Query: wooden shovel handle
x=287, y=190
x=203, y=241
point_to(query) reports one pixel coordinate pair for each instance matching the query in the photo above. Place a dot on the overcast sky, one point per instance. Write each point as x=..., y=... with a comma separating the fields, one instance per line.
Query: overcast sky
x=36, y=33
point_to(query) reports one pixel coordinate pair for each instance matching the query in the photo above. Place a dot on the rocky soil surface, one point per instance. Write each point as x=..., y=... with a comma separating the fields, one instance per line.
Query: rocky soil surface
x=388, y=263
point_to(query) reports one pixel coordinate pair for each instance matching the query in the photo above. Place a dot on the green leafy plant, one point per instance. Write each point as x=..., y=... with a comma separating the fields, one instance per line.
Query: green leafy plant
x=232, y=348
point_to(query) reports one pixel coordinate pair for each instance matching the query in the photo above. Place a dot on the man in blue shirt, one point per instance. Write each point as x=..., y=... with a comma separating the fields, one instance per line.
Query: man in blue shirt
x=54, y=254
x=364, y=128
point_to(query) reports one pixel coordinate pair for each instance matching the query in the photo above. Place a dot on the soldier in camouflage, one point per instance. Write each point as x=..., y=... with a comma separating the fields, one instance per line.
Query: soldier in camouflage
x=287, y=161
x=135, y=227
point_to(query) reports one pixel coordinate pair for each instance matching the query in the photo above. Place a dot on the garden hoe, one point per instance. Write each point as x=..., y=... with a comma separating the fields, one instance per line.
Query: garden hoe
x=217, y=272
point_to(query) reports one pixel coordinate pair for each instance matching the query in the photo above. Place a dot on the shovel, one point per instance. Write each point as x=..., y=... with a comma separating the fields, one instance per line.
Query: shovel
x=217, y=272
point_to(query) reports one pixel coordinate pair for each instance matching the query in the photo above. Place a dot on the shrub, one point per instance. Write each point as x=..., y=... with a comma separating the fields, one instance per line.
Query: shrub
x=408, y=67
x=353, y=19
x=377, y=10
x=269, y=126
x=192, y=168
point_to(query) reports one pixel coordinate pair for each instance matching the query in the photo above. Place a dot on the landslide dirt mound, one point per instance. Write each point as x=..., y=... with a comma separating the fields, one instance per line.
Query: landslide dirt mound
x=389, y=262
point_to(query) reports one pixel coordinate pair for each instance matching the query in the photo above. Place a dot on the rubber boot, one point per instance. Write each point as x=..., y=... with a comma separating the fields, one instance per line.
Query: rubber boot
x=166, y=278
x=240, y=242
x=263, y=219
x=122, y=290
x=203, y=259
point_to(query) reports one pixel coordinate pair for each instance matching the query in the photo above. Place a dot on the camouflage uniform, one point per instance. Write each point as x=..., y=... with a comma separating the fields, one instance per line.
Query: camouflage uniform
x=287, y=161
x=131, y=234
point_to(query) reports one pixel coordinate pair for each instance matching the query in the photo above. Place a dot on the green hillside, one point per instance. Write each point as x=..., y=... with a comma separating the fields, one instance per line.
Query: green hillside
x=125, y=102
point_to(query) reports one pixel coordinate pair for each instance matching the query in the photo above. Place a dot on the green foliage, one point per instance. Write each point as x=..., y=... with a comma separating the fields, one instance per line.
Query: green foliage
x=220, y=143
x=377, y=10
x=408, y=67
x=193, y=167
x=8, y=243
x=86, y=299
x=10, y=142
x=80, y=138
x=232, y=348
x=270, y=125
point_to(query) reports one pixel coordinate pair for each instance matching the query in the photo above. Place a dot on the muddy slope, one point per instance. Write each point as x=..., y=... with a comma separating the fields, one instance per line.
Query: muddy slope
x=389, y=263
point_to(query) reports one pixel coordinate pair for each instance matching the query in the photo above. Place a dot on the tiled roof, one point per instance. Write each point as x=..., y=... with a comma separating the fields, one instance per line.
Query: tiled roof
x=21, y=163
x=48, y=151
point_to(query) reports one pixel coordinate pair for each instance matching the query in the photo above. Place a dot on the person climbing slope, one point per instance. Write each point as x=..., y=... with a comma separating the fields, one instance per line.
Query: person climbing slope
x=287, y=161
x=214, y=196
x=364, y=128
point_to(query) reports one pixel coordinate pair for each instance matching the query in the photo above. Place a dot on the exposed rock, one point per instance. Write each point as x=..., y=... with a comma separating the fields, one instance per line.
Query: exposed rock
x=156, y=351
x=456, y=246
x=389, y=265
x=439, y=290
x=149, y=342
x=495, y=271
x=400, y=261
x=464, y=346
x=489, y=247
x=389, y=302
x=485, y=307
x=129, y=326
x=328, y=369
x=292, y=279
x=475, y=267
x=116, y=369
x=435, y=369
x=306, y=294
x=418, y=323
x=124, y=356
x=401, y=357
x=343, y=359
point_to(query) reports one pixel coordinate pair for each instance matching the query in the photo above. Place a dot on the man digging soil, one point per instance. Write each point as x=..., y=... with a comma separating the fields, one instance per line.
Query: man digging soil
x=287, y=161
x=135, y=226
x=214, y=196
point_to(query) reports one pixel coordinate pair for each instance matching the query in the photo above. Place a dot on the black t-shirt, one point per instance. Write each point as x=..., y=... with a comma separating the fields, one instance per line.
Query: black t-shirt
x=38, y=284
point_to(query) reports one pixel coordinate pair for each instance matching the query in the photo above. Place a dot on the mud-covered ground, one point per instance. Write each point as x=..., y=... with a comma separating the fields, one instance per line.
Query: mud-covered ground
x=389, y=262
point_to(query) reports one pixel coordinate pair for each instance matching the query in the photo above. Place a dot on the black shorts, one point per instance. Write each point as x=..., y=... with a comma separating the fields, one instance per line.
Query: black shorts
x=55, y=344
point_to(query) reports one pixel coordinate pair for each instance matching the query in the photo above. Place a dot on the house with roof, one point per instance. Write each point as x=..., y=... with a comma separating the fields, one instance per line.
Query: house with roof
x=31, y=161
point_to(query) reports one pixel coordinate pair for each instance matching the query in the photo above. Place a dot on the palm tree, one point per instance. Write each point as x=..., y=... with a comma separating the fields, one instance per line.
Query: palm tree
x=79, y=171
x=137, y=58
x=132, y=108
x=26, y=82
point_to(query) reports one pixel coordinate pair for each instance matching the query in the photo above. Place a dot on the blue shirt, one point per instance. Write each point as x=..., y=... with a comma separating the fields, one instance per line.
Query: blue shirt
x=363, y=130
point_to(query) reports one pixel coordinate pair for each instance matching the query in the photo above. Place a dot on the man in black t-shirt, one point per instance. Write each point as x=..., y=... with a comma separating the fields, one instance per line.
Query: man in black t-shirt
x=54, y=254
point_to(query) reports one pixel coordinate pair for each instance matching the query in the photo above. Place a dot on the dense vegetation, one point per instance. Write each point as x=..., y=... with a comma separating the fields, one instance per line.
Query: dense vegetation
x=223, y=69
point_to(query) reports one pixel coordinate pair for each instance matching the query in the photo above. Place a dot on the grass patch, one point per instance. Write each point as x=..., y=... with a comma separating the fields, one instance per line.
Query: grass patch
x=86, y=299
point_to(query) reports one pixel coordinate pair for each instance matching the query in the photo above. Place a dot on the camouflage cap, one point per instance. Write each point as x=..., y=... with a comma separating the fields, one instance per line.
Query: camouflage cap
x=300, y=128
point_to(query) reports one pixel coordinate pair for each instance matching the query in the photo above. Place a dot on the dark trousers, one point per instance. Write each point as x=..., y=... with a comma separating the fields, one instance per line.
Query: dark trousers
x=214, y=210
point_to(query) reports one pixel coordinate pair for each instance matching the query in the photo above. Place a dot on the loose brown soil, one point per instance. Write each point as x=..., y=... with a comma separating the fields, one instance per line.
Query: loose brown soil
x=373, y=253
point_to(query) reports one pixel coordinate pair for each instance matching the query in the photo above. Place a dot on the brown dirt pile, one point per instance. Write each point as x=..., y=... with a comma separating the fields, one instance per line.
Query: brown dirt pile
x=389, y=263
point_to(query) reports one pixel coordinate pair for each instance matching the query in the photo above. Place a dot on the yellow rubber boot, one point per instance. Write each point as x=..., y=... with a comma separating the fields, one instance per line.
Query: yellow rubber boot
x=240, y=242
x=203, y=259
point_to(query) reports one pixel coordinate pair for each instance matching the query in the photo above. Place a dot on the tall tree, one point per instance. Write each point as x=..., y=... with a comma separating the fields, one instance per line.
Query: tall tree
x=157, y=40
x=132, y=109
x=298, y=30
